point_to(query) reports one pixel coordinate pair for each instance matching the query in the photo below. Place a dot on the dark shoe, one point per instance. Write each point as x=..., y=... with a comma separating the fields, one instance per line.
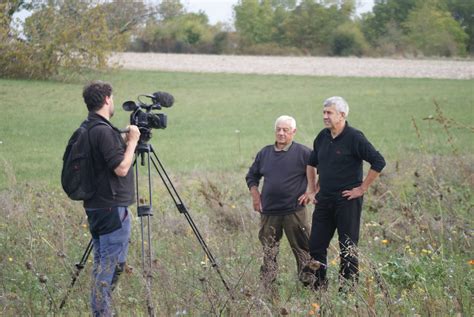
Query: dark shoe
x=309, y=276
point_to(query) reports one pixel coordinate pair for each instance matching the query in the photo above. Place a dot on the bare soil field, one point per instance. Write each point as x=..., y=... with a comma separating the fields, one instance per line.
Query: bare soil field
x=306, y=66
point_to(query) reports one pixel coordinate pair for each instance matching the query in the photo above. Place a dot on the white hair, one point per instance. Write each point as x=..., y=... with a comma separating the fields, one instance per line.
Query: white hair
x=288, y=119
x=338, y=102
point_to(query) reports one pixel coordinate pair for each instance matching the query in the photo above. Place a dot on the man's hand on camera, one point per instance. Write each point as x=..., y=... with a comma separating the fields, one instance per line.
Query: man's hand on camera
x=133, y=134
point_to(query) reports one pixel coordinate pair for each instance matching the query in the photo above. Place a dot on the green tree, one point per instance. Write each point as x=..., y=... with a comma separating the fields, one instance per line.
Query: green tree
x=69, y=35
x=254, y=21
x=170, y=9
x=185, y=33
x=385, y=16
x=348, y=40
x=311, y=26
x=463, y=12
x=433, y=31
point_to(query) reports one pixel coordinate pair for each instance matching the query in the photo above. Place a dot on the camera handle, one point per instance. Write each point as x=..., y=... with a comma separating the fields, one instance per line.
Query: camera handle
x=147, y=148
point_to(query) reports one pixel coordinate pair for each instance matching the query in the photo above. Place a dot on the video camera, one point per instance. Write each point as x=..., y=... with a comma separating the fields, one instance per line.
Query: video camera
x=143, y=117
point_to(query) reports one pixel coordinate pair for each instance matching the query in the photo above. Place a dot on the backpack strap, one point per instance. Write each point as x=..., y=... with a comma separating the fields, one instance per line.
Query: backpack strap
x=89, y=125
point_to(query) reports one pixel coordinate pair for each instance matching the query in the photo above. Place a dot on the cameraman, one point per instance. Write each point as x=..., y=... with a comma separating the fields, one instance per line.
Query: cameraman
x=107, y=211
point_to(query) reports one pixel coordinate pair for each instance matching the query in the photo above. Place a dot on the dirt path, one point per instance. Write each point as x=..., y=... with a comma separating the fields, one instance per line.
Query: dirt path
x=309, y=66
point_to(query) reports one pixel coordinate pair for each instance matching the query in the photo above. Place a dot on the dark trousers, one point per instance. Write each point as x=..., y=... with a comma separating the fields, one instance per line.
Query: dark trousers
x=296, y=227
x=343, y=215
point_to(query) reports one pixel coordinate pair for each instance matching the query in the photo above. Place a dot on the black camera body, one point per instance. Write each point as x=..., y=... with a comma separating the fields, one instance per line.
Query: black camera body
x=143, y=117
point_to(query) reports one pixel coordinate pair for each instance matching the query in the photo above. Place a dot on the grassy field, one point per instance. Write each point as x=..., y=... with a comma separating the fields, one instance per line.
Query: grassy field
x=39, y=117
x=416, y=244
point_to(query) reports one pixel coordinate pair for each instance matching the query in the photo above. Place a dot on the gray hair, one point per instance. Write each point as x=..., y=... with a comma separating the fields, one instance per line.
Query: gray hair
x=288, y=119
x=338, y=102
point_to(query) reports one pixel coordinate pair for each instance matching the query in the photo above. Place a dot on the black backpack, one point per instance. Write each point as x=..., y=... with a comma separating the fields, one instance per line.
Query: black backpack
x=77, y=176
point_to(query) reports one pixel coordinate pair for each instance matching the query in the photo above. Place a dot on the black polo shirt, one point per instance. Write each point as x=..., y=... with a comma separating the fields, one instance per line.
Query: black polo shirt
x=339, y=161
x=108, y=149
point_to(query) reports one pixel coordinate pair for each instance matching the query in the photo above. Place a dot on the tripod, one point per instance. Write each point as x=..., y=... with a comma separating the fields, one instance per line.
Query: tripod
x=145, y=211
x=142, y=150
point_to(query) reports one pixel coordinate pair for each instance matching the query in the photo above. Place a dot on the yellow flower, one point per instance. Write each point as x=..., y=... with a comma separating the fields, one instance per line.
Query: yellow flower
x=233, y=206
x=316, y=306
x=471, y=262
x=10, y=259
x=84, y=225
x=384, y=241
x=424, y=251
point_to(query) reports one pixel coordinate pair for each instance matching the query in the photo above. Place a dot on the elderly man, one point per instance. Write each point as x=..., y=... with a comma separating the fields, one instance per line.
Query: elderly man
x=338, y=155
x=283, y=165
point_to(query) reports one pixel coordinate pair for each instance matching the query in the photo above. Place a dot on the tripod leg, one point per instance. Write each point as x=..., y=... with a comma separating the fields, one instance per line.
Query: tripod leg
x=145, y=211
x=79, y=266
x=182, y=209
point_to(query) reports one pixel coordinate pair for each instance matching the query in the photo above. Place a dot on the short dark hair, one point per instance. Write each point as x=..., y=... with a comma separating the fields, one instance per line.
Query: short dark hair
x=94, y=94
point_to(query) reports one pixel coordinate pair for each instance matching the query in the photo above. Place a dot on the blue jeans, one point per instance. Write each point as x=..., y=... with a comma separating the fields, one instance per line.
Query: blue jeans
x=110, y=250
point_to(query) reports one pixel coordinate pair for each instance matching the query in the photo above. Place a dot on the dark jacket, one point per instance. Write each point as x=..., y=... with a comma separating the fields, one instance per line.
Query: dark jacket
x=108, y=150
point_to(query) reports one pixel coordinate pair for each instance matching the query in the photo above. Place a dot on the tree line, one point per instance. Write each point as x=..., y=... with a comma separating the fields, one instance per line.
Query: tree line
x=76, y=35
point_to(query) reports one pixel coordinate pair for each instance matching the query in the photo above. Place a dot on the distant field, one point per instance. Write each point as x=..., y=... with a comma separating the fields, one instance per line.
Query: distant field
x=292, y=65
x=219, y=121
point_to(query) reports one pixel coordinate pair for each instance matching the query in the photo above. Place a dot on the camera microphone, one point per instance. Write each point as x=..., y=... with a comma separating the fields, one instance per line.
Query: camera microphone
x=163, y=98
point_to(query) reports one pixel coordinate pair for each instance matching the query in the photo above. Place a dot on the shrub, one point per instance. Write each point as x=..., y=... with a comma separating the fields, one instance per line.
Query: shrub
x=348, y=40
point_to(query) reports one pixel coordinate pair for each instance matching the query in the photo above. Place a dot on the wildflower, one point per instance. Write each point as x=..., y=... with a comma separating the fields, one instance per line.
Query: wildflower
x=311, y=312
x=10, y=259
x=316, y=306
x=233, y=206
x=84, y=225
x=384, y=241
x=471, y=262
x=424, y=251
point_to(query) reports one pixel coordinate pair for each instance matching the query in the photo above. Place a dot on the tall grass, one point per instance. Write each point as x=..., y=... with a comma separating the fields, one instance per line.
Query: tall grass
x=416, y=236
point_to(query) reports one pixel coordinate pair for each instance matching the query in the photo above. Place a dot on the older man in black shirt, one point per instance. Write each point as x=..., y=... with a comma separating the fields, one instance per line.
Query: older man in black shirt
x=284, y=167
x=338, y=155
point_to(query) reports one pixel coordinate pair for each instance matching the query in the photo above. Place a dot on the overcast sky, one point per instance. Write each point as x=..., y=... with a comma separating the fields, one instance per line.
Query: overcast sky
x=221, y=10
